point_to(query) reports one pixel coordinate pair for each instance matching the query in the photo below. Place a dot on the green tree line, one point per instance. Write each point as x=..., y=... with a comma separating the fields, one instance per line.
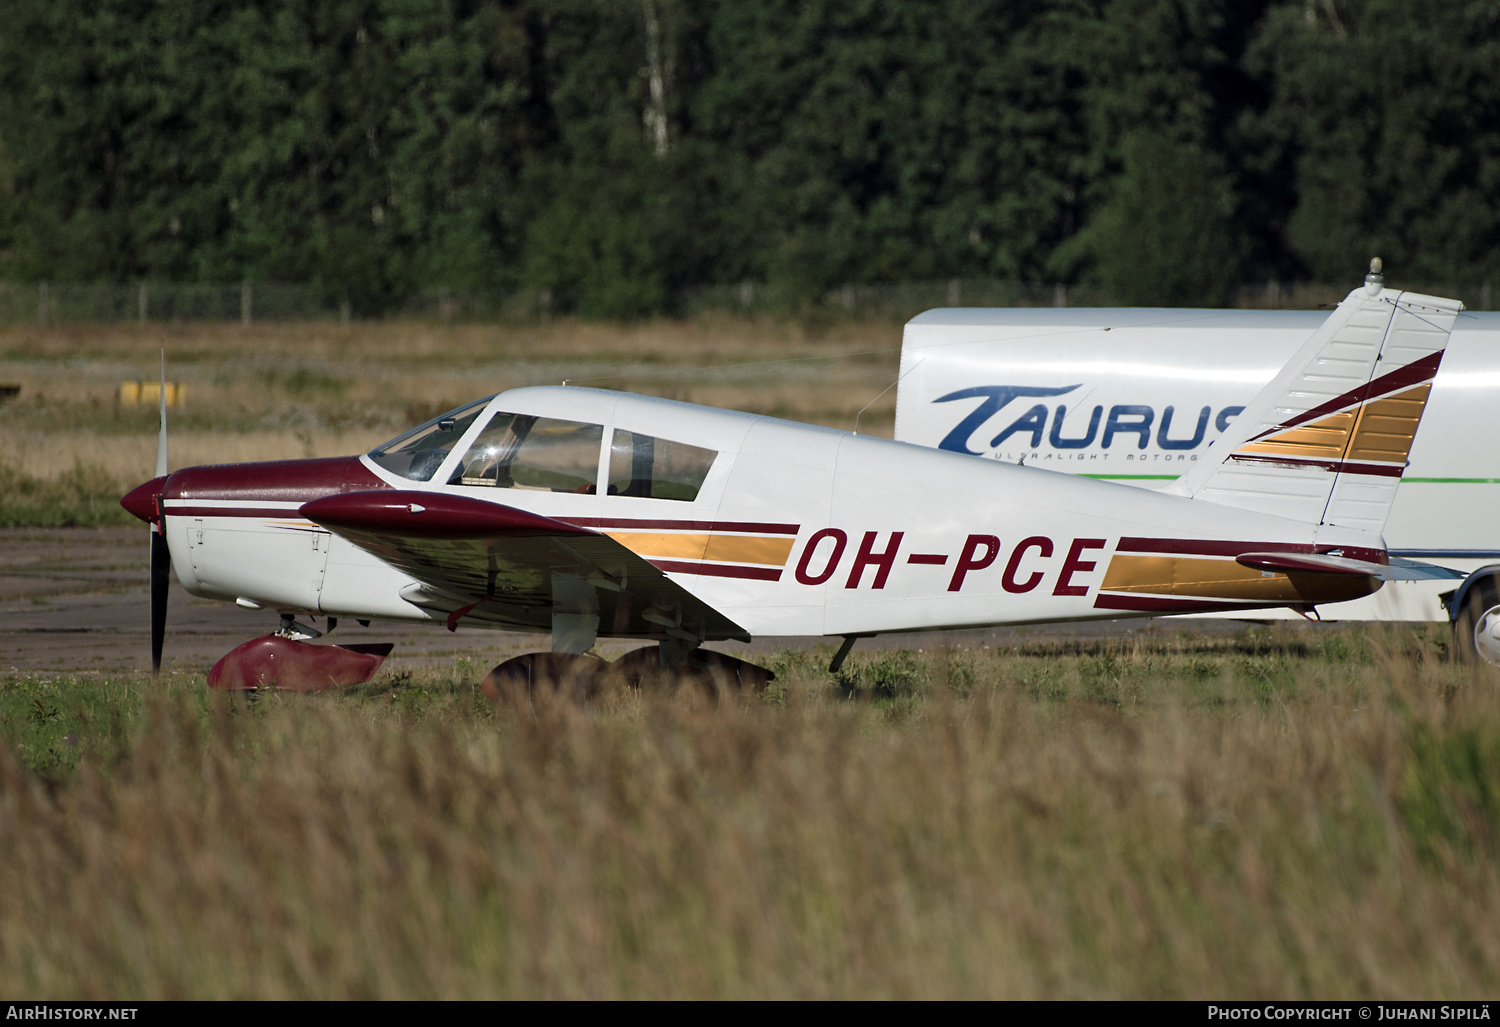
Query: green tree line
x=616, y=153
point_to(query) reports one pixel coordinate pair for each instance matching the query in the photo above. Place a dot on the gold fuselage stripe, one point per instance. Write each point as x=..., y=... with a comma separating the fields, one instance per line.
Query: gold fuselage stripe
x=726, y=548
x=1226, y=579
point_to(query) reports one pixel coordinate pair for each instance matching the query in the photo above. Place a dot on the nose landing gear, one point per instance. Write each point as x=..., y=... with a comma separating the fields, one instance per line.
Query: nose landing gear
x=275, y=661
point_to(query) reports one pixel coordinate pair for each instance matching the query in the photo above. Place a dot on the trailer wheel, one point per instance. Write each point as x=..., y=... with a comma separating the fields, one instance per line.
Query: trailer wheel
x=1477, y=627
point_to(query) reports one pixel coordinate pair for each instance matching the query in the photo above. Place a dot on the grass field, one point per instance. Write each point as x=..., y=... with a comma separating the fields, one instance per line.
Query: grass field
x=273, y=392
x=1288, y=812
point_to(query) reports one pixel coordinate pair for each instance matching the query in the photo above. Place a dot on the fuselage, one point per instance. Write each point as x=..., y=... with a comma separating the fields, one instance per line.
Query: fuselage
x=788, y=529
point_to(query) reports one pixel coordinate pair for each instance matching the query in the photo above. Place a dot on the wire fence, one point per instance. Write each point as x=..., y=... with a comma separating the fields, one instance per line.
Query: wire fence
x=53, y=303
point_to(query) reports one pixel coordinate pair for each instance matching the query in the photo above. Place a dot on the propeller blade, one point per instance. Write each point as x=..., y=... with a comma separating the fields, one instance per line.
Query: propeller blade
x=161, y=556
x=161, y=568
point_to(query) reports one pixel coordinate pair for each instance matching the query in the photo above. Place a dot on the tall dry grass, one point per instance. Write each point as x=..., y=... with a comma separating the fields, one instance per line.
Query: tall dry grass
x=1294, y=818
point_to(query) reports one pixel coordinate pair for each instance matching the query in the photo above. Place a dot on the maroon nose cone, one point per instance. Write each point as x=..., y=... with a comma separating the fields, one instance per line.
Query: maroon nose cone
x=141, y=500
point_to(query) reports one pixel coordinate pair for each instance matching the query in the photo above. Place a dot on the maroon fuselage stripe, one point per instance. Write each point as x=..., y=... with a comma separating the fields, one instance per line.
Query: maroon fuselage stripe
x=1414, y=373
x=1152, y=604
x=258, y=512
x=756, y=527
x=1337, y=466
x=748, y=527
x=1214, y=547
x=718, y=570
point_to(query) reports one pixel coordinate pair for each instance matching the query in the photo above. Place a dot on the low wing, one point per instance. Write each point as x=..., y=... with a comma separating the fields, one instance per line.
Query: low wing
x=1326, y=563
x=506, y=566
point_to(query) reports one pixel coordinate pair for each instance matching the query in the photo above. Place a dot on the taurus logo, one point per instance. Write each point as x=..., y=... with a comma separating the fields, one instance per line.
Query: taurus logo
x=1134, y=420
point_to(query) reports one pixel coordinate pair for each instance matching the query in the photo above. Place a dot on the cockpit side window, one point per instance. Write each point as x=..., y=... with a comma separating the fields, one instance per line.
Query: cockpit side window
x=652, y=468
x=522, y=451
x=418, y=453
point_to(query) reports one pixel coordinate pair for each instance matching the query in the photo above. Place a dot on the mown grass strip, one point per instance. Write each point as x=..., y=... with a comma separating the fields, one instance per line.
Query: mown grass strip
x=84, y=496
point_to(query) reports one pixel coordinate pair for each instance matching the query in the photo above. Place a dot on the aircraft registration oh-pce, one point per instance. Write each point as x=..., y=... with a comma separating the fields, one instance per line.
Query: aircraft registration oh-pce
x=590, y=513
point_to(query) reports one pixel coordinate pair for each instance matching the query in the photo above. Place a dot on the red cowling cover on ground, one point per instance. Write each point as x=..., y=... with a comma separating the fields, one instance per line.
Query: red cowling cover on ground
x=275, y=662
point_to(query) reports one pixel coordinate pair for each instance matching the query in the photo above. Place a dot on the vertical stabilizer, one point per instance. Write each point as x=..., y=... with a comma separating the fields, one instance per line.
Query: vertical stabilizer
x=1326, y=441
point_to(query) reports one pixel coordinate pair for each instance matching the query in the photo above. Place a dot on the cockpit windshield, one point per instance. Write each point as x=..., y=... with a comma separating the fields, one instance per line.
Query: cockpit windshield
x=418, y=453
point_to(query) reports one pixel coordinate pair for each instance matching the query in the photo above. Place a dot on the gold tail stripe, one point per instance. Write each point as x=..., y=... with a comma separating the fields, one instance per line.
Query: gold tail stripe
x=1380, y=430
x=1320, y=440
x=1387, y=426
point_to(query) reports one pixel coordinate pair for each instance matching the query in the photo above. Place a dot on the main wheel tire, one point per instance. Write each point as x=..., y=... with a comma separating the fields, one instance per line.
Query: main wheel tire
x=712, y=674
x=1476, y=629
x=572, y=677
x=730, y=674
x=638, y=670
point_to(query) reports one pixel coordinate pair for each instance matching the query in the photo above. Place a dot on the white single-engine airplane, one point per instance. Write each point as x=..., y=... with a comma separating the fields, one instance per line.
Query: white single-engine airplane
x=592, y=513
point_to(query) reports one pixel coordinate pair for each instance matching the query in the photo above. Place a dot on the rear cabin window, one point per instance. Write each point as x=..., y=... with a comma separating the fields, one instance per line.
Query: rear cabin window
x=652, y=468
x=418, y=453
x=543, y=454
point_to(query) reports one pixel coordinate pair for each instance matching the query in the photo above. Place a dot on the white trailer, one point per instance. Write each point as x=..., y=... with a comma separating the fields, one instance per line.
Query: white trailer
x=1137, y=395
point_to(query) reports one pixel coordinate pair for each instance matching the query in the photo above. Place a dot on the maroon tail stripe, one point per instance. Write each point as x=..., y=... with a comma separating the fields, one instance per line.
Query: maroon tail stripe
x=1336, y=466
x=756, y=527
x=1153, y=604
x=718, y=570
x=1414, y=373
x=933, y=558
x=1215, y=547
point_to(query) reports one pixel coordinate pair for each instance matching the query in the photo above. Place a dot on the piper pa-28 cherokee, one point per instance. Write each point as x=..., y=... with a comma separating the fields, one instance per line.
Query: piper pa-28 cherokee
x=592, y=513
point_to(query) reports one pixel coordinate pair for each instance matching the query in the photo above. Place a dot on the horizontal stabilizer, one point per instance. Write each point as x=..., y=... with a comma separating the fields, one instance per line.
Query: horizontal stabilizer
x=1403, y=569
x=1328, y=563
x=1307, y=563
